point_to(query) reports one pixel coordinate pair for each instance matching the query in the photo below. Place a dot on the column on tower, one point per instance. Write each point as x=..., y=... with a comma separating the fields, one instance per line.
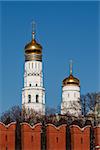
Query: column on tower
x=33, y=93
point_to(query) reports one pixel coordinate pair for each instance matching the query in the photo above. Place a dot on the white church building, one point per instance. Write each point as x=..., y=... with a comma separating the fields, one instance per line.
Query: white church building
x=71, y=95
x=33, y=92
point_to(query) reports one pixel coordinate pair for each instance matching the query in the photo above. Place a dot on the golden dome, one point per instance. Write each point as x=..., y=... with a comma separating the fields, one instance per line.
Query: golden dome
x=71, y=80
x=33, y=47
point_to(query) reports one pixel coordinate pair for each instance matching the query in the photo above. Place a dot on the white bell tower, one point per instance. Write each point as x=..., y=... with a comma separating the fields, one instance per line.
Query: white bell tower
x=71, y=95
x=33, y=92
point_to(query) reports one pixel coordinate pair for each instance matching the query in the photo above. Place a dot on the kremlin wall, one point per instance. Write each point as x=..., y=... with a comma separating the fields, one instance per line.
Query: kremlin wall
x=62, y=137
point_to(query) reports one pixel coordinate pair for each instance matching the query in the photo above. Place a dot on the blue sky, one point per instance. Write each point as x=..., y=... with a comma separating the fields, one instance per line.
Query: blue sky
x=66, y=30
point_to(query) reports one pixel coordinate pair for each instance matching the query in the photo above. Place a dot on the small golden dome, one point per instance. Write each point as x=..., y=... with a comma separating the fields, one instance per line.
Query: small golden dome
x=71, y=80
x=33, y=47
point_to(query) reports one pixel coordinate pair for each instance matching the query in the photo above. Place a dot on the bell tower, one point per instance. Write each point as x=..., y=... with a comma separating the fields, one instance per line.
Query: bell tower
x=71, y=95
x=33, y=92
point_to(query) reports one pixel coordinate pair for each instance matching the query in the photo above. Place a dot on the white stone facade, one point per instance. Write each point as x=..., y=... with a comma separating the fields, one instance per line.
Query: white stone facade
x=71, y=100
x=33, y=93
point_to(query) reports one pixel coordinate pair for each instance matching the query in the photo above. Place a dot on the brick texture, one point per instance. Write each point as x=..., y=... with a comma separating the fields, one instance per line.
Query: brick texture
x=80, y=137
x=31, y=136
x=56, y=137
x=7, y=136
x=97, y=137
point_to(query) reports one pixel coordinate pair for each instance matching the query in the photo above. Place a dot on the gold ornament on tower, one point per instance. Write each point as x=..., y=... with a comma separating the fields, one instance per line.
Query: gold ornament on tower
x=71, y=80
x=33, y=50
x=33, y=47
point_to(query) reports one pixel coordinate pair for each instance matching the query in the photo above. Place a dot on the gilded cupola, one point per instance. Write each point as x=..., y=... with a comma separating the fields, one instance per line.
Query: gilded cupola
x=33, y=47
x=33, y=50
x=71, y=80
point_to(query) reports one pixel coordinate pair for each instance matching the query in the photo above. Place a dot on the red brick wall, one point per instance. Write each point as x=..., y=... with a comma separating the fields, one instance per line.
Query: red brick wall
x=56, y=137
x=86, y=137
x=31, y=136
x=80, y=138
x=97, y=137
x=7, y=136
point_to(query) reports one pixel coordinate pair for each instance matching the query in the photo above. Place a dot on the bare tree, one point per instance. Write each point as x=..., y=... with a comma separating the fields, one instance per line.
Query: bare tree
x=89, y=101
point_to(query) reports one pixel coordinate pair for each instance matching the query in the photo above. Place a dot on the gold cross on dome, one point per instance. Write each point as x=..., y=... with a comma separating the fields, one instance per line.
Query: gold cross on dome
x=71, y=66
x=33, y=29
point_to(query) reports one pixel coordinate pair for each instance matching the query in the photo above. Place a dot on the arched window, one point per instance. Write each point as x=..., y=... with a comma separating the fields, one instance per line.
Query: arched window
x=37, y=98
x=68, y=94
x=32, y=65
x=29, y=84
x=36, y=84
x=29, y=98
x=29, y=65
